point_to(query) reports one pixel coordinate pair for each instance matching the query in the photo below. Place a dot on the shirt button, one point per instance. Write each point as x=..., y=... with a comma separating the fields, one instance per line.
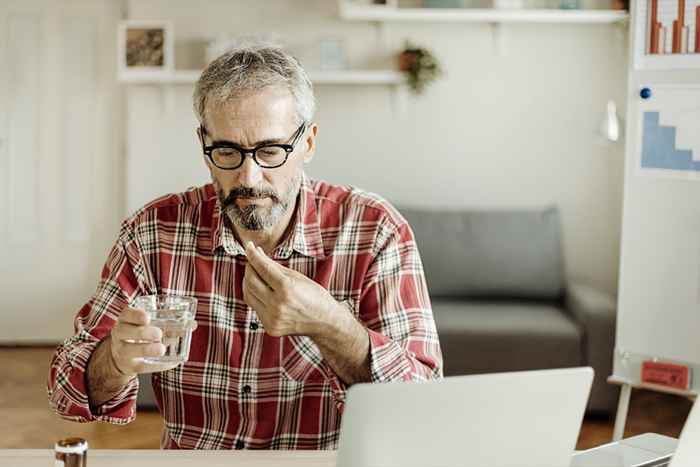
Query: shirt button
x=247, y=389
x=254, y=326
x=240, y=444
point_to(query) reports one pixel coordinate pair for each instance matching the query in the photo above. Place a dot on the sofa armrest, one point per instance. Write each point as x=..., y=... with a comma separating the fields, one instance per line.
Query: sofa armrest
x=596, y=311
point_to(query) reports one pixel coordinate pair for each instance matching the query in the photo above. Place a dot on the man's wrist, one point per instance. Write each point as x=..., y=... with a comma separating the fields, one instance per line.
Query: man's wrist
x=114, y=369
x=333, y=321
x=104, y=379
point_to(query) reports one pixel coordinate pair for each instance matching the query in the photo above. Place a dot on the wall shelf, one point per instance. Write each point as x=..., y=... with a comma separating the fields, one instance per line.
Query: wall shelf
x=351, y=12
x=344, y=77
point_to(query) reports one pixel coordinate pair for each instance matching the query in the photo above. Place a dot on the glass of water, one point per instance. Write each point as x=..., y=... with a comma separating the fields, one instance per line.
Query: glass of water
x=174, y=315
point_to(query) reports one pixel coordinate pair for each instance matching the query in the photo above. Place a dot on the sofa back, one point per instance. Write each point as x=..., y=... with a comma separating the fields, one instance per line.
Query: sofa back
x=490, y=253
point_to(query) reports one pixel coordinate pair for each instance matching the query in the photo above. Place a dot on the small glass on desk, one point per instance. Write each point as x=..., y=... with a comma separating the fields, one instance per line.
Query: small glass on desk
x=174, y=315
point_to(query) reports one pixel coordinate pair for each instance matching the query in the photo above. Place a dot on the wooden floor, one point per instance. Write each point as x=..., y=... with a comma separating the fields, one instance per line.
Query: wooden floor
x=27, y=421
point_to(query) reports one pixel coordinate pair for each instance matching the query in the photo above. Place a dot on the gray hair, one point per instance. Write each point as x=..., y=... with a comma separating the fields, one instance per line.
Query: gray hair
x=249, y=68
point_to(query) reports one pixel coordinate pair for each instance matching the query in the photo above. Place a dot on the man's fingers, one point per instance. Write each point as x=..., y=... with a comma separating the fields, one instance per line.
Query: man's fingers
x=255, y=282
x=130, y=351
x=269, y=271
x=143, y=367
x=251, y=298
x=134, y=316
x=137, y=334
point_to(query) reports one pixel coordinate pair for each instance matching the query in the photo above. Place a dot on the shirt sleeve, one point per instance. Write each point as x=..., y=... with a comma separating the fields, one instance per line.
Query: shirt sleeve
x=395, y=307
x=67, y=383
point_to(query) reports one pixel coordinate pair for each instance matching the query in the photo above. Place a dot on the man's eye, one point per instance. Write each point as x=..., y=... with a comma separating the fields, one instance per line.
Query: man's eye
x=226, y=152
x=270, y=152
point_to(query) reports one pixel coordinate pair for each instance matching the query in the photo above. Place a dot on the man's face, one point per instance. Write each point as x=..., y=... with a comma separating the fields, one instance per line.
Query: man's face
x=252, y=197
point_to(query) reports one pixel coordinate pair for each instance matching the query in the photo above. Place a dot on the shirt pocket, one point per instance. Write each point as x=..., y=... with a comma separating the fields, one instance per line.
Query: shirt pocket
x=301, y=360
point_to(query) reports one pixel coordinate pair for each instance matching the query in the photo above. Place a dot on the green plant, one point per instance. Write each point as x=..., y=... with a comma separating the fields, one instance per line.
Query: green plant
x=420, y=65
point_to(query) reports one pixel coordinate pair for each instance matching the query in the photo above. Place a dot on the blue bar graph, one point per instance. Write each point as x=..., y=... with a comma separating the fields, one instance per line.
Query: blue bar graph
x=659, y=147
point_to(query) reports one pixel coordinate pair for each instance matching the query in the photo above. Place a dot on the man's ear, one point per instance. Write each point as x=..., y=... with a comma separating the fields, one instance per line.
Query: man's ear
x=200, y=137
x=310, y=143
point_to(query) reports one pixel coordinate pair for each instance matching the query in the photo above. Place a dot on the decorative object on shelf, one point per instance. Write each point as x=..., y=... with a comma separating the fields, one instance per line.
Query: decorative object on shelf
x=420, y=66
x=535, y=11
x=443, y=3
x=332, y=54
x=570, y=4
x=145, y=49
x=620, y=5
x=375, y=3
x=387, y=3
x=667, y=34
x=508, y=4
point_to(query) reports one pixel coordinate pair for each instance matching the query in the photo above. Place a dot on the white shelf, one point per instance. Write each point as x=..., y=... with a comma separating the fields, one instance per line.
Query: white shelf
x=173, y=77
x=351, y=12
x=388, y=77
x=349, y=77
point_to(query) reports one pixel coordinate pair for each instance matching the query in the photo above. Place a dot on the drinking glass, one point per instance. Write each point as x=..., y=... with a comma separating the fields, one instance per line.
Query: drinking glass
x=174, y=315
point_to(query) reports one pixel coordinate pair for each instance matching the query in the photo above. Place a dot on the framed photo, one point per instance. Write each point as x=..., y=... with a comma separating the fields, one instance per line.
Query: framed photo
x=145, y=49
x=667, y=34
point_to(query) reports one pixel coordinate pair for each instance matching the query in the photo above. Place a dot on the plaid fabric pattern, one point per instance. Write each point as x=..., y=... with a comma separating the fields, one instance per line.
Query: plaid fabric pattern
x=242, y=388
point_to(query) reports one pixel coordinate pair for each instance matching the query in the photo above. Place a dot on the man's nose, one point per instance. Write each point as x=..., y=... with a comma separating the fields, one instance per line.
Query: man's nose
x=250, y=173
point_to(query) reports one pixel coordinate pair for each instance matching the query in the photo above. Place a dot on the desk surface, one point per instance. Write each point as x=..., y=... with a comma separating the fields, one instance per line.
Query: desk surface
x=627, y=453
x=158, y=458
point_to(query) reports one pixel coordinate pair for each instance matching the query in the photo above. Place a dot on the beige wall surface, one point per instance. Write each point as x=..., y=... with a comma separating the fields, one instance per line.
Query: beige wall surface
x=503, y=129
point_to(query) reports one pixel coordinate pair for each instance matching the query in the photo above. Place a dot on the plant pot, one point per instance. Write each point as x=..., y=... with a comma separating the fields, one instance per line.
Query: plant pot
x=407, y=60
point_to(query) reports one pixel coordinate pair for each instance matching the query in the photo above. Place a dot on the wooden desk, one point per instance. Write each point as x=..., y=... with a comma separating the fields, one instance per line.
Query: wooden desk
x=626, y=453
x=158, y=458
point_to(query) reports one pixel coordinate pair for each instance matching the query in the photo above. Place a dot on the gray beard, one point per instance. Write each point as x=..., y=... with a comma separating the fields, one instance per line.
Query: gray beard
x=257, y=218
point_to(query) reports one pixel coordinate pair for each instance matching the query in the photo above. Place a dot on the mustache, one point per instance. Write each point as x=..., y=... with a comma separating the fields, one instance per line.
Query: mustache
x=249, y=192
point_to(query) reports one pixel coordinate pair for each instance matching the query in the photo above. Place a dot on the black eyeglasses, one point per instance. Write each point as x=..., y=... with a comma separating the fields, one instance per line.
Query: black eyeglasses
x=229, y=156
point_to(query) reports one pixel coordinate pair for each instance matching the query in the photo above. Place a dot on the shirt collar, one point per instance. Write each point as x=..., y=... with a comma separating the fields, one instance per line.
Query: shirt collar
x=305, y=237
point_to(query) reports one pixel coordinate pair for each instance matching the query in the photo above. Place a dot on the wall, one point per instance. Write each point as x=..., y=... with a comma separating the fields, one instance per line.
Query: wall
x=61, y=179
x=518, y=129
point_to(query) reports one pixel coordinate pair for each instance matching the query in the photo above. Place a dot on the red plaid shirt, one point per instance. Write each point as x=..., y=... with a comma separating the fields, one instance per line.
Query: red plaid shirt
x=240, y=386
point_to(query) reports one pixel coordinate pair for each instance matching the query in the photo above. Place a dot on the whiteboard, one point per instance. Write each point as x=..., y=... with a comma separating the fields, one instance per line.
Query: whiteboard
x=659, y=298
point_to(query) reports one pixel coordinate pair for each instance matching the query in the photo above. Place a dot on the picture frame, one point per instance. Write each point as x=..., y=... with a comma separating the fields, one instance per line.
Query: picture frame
x=665, y=39
x=145, y=49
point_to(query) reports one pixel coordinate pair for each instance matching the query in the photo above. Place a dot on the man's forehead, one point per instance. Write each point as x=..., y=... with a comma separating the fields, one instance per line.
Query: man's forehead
x=268, y=108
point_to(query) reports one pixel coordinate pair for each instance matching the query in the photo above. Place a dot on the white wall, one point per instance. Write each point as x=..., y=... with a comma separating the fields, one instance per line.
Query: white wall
x=61, y=180
x=497, y=131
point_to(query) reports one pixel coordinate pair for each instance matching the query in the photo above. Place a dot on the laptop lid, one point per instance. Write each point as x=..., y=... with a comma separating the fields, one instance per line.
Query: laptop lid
x=688, y=451
x=515, y=419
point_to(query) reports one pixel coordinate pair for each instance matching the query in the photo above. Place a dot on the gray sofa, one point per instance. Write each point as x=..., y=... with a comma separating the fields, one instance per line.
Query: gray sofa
x=501, y=301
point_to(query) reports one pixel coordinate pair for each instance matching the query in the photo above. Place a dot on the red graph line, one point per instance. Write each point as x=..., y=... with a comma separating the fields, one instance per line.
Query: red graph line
x=653, y=29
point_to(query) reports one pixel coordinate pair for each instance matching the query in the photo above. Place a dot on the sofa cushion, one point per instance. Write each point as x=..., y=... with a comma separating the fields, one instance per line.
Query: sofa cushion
x=492, y=336
x=513, y=253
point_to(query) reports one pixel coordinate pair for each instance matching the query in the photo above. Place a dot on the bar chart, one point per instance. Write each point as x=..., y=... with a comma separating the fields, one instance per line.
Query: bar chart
x=669, y=142
x=673, y=27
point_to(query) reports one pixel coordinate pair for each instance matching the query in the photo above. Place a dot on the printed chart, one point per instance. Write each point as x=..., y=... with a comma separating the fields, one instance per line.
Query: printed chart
x=667, y=34
x=669, y=139
x=674, y=27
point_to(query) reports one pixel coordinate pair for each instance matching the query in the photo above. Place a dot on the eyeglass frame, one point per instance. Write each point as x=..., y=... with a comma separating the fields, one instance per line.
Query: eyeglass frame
x=288, y=148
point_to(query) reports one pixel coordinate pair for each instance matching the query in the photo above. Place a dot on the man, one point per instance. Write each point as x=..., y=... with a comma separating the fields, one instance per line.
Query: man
x=304, y=288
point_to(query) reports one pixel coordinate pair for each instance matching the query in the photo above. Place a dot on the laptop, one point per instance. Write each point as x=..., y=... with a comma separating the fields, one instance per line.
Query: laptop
x=518, y=419
x=688, y=451
x=649, y=449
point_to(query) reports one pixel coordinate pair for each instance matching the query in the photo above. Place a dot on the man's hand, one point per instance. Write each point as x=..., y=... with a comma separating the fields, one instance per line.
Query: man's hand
x=119, y=357
x=286, y=301
x=133, y=339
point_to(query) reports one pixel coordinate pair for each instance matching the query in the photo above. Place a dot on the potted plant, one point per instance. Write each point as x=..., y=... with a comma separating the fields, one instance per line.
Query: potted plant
x=420, y=65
